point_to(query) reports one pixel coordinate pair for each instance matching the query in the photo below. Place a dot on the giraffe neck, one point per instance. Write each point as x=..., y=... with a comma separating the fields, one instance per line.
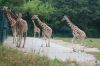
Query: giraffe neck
x=34, y=23
x=10, y=18
x=69, y=22
x=40, y=22
x=13, y=15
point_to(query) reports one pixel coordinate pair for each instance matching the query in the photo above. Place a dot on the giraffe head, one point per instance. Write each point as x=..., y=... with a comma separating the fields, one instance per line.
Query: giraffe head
x=34, y=17
x=6, y=9
x=64, y=18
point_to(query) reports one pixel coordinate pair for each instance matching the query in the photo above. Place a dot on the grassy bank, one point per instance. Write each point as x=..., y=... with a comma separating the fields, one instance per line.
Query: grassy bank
x=13, y=57
x=90, y=42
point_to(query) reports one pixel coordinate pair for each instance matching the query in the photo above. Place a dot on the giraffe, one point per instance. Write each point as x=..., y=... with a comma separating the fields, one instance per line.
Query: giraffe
x=36, y=29
x=77, y=32
x=22, y=28
x=46, y=31
x=12, y=22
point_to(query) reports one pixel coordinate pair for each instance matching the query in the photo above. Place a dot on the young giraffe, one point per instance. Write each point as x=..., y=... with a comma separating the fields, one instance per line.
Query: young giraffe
x=77, y=33
x=36, y=29
x=46, y=31
x=12, y=22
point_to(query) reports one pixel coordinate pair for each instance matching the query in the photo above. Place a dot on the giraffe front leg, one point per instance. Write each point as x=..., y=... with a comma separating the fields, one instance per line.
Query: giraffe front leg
x=43, y=38
x=82, y=41
x=19, y=40
x=34, y=34
x=49, y=42
x=42, y=42
x=82, y=44
x=46, y=43
x=73, y=40
x=14, y=37
x=39, y=34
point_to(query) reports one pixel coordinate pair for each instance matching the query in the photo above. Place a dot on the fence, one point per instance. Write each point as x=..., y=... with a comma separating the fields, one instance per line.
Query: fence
x=3, y=26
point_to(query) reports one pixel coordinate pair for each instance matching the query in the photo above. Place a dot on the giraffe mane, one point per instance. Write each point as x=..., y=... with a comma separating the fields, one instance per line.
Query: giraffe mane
x=39, y=17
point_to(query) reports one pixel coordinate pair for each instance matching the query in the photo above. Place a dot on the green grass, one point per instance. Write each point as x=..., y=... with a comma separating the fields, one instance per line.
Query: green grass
x=13, y=57
x=96, y=54
x=90, y=42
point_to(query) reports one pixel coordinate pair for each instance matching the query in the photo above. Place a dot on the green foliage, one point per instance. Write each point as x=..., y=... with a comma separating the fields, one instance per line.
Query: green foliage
x=38, y=7
x=83, y=13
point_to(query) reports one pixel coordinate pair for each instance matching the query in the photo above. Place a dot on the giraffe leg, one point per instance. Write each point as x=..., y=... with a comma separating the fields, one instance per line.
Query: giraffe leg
x=25, y=35
x=39, y=34
x=17, y=40
x=48, y=42
x=34, y=34
x=73, y=40
x=20, y=39
x=42, y=42
x=82, y=41
x=43, y=38
x=14, y=37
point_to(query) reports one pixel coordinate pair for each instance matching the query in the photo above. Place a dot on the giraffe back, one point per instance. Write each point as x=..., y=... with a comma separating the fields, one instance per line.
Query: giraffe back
x=47, y=30
x=22, y=25
x=78, y=33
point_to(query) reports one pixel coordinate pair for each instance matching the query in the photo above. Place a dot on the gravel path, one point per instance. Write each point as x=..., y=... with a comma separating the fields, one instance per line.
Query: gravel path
x=58, y=50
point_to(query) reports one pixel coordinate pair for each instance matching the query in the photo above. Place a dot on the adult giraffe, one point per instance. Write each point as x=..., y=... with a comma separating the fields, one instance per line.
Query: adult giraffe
x=36, y=29
x=46, y=30
x=12, y=22
x=22, y=28
x=77, y=32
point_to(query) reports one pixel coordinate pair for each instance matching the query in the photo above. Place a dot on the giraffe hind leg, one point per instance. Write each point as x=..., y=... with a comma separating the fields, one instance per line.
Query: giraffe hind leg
x=17, y=40
x=42, y=42
x=25, y=35
x=49, y=42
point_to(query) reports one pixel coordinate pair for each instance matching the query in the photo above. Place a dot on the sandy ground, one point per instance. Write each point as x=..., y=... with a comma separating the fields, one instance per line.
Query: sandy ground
x=58, y=49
